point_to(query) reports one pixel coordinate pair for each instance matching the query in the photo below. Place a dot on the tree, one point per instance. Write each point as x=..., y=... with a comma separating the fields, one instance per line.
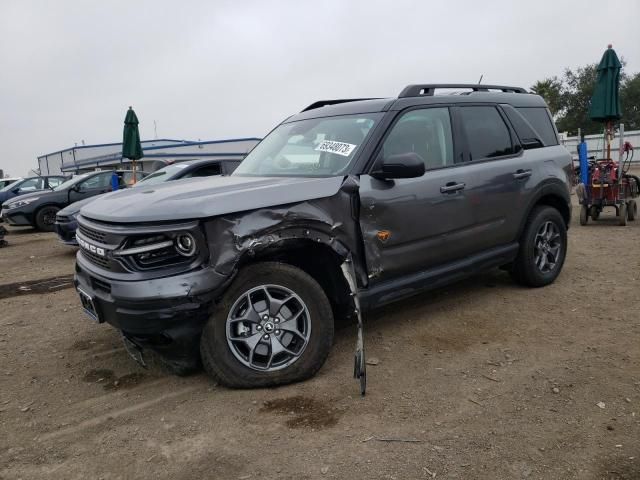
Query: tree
x=569, y=99
x=577, y=90
x=630, y=99
x=551, y=90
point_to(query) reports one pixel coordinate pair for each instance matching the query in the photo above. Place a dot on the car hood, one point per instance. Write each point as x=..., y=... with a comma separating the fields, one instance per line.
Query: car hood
x=207, y=197
x=37, y=193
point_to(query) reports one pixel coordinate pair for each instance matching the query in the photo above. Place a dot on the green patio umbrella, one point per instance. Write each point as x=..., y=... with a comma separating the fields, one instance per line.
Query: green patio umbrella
x=605, y=102
x=131, y=147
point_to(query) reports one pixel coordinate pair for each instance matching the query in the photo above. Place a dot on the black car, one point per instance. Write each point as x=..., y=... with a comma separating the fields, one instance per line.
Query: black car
x=66, y=219
x=27, y=185
x=346, y=206
x=39, y=209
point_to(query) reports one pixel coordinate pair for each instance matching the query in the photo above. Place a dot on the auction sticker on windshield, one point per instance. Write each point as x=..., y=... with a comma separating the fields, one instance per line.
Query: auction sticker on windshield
x=339, y=148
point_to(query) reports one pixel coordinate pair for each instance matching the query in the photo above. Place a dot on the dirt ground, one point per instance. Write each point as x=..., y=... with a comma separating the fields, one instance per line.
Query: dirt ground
x=481, y=380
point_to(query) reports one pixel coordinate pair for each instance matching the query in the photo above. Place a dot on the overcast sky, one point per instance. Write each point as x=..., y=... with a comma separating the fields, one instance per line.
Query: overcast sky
x=213, y=70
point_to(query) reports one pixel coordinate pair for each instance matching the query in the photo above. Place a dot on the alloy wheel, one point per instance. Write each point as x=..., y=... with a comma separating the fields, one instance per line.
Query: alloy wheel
x=547, y=247
x=268, y=328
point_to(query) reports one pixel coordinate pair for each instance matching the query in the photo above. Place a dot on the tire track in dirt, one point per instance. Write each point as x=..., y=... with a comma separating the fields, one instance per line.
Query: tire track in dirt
x=36, y=287
x=116, y=413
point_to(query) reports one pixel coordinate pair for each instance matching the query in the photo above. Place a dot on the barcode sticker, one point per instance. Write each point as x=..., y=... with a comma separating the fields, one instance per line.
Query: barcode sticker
x=339, y=148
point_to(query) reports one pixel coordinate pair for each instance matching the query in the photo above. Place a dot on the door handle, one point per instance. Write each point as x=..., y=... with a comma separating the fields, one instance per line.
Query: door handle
x=520, y=174
x=452, y=187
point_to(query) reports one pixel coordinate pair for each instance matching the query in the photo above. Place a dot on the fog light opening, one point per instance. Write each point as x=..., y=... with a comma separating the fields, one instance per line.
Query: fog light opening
x=185, y=244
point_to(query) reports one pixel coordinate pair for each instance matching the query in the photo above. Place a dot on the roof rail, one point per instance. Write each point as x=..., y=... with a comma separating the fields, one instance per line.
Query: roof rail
x=324, y=103
x=429, y=88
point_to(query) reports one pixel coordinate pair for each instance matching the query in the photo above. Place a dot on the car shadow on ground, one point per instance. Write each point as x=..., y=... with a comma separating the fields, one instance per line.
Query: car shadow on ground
x=426, y=299
x=21, y=230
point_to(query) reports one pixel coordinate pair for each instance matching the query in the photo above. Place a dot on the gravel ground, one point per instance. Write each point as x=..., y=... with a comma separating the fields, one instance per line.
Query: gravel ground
x=481, y=380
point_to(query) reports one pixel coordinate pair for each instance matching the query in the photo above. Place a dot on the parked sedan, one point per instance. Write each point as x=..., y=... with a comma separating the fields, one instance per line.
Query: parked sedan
x=22, y=186
x=66, y=223
x=39, y=209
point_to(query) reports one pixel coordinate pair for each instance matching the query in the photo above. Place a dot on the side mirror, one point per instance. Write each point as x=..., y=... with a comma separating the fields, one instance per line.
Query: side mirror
x=403, y=165
x=16, y=190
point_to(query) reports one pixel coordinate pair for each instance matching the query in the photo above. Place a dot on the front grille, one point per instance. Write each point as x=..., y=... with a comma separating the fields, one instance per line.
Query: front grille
x=92, y=234
x=105, y=245
x=63, y=219
x=96, y=259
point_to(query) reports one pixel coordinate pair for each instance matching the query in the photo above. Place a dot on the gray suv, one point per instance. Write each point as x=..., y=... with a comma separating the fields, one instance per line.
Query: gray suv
x=343, y=207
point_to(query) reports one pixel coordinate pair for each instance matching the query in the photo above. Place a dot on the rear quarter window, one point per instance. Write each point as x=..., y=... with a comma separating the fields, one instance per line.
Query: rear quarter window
x=540, y=120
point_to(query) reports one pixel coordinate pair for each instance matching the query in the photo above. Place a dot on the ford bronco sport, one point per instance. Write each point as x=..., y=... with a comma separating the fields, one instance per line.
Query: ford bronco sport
x=346, y=206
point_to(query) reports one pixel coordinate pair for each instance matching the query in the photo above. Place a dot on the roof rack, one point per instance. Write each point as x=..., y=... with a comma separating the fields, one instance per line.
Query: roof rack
x=324, y=103
x=430, y=88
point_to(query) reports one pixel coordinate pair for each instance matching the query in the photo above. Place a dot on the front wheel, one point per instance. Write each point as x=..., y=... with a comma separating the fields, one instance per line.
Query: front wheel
x=274, y=325
x=46, y=218
x=543, y=248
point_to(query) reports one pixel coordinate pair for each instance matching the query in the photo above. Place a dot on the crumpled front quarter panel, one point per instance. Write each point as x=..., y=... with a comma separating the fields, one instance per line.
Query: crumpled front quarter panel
x=331, y=221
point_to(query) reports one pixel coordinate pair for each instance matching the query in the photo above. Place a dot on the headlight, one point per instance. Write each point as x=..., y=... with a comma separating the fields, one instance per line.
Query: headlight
x=160, y=250
x=21, y=203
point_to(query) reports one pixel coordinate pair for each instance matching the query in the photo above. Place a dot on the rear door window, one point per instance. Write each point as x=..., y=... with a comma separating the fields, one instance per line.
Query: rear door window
x=540, y=120
x=487, y=134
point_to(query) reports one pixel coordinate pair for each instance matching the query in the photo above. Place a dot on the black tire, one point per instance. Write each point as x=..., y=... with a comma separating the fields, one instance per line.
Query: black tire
x=220, y=362
x=45, y=218
x=622, y=215
x=584, y=215
x=594, y=213
x=632, y=210
x=525, y=271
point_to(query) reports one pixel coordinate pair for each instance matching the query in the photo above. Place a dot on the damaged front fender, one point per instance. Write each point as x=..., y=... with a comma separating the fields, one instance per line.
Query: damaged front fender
x=331, y=221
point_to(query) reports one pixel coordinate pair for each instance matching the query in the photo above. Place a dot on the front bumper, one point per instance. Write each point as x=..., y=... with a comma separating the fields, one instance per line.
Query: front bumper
x=149, y=306
x=164, y=314
x=67, y=232
x=15, y=217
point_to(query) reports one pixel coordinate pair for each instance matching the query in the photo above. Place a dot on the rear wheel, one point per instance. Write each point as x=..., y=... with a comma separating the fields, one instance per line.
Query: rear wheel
x=46, y=218
x=622, y=215
x=584, y=215
x=273, y=326
x=632, y=210
x=543, y=247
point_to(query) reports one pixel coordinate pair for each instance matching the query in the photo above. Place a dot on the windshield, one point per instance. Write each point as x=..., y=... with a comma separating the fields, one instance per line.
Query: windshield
x=318, y=147
x=161, y=175
x=72, y=181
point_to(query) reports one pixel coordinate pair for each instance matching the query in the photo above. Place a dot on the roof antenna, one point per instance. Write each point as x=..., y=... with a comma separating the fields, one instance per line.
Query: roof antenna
x=155, y=129
x=480, y=81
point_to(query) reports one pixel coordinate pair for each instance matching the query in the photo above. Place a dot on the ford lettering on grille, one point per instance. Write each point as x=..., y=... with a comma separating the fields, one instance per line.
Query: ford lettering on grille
x=91, y=248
